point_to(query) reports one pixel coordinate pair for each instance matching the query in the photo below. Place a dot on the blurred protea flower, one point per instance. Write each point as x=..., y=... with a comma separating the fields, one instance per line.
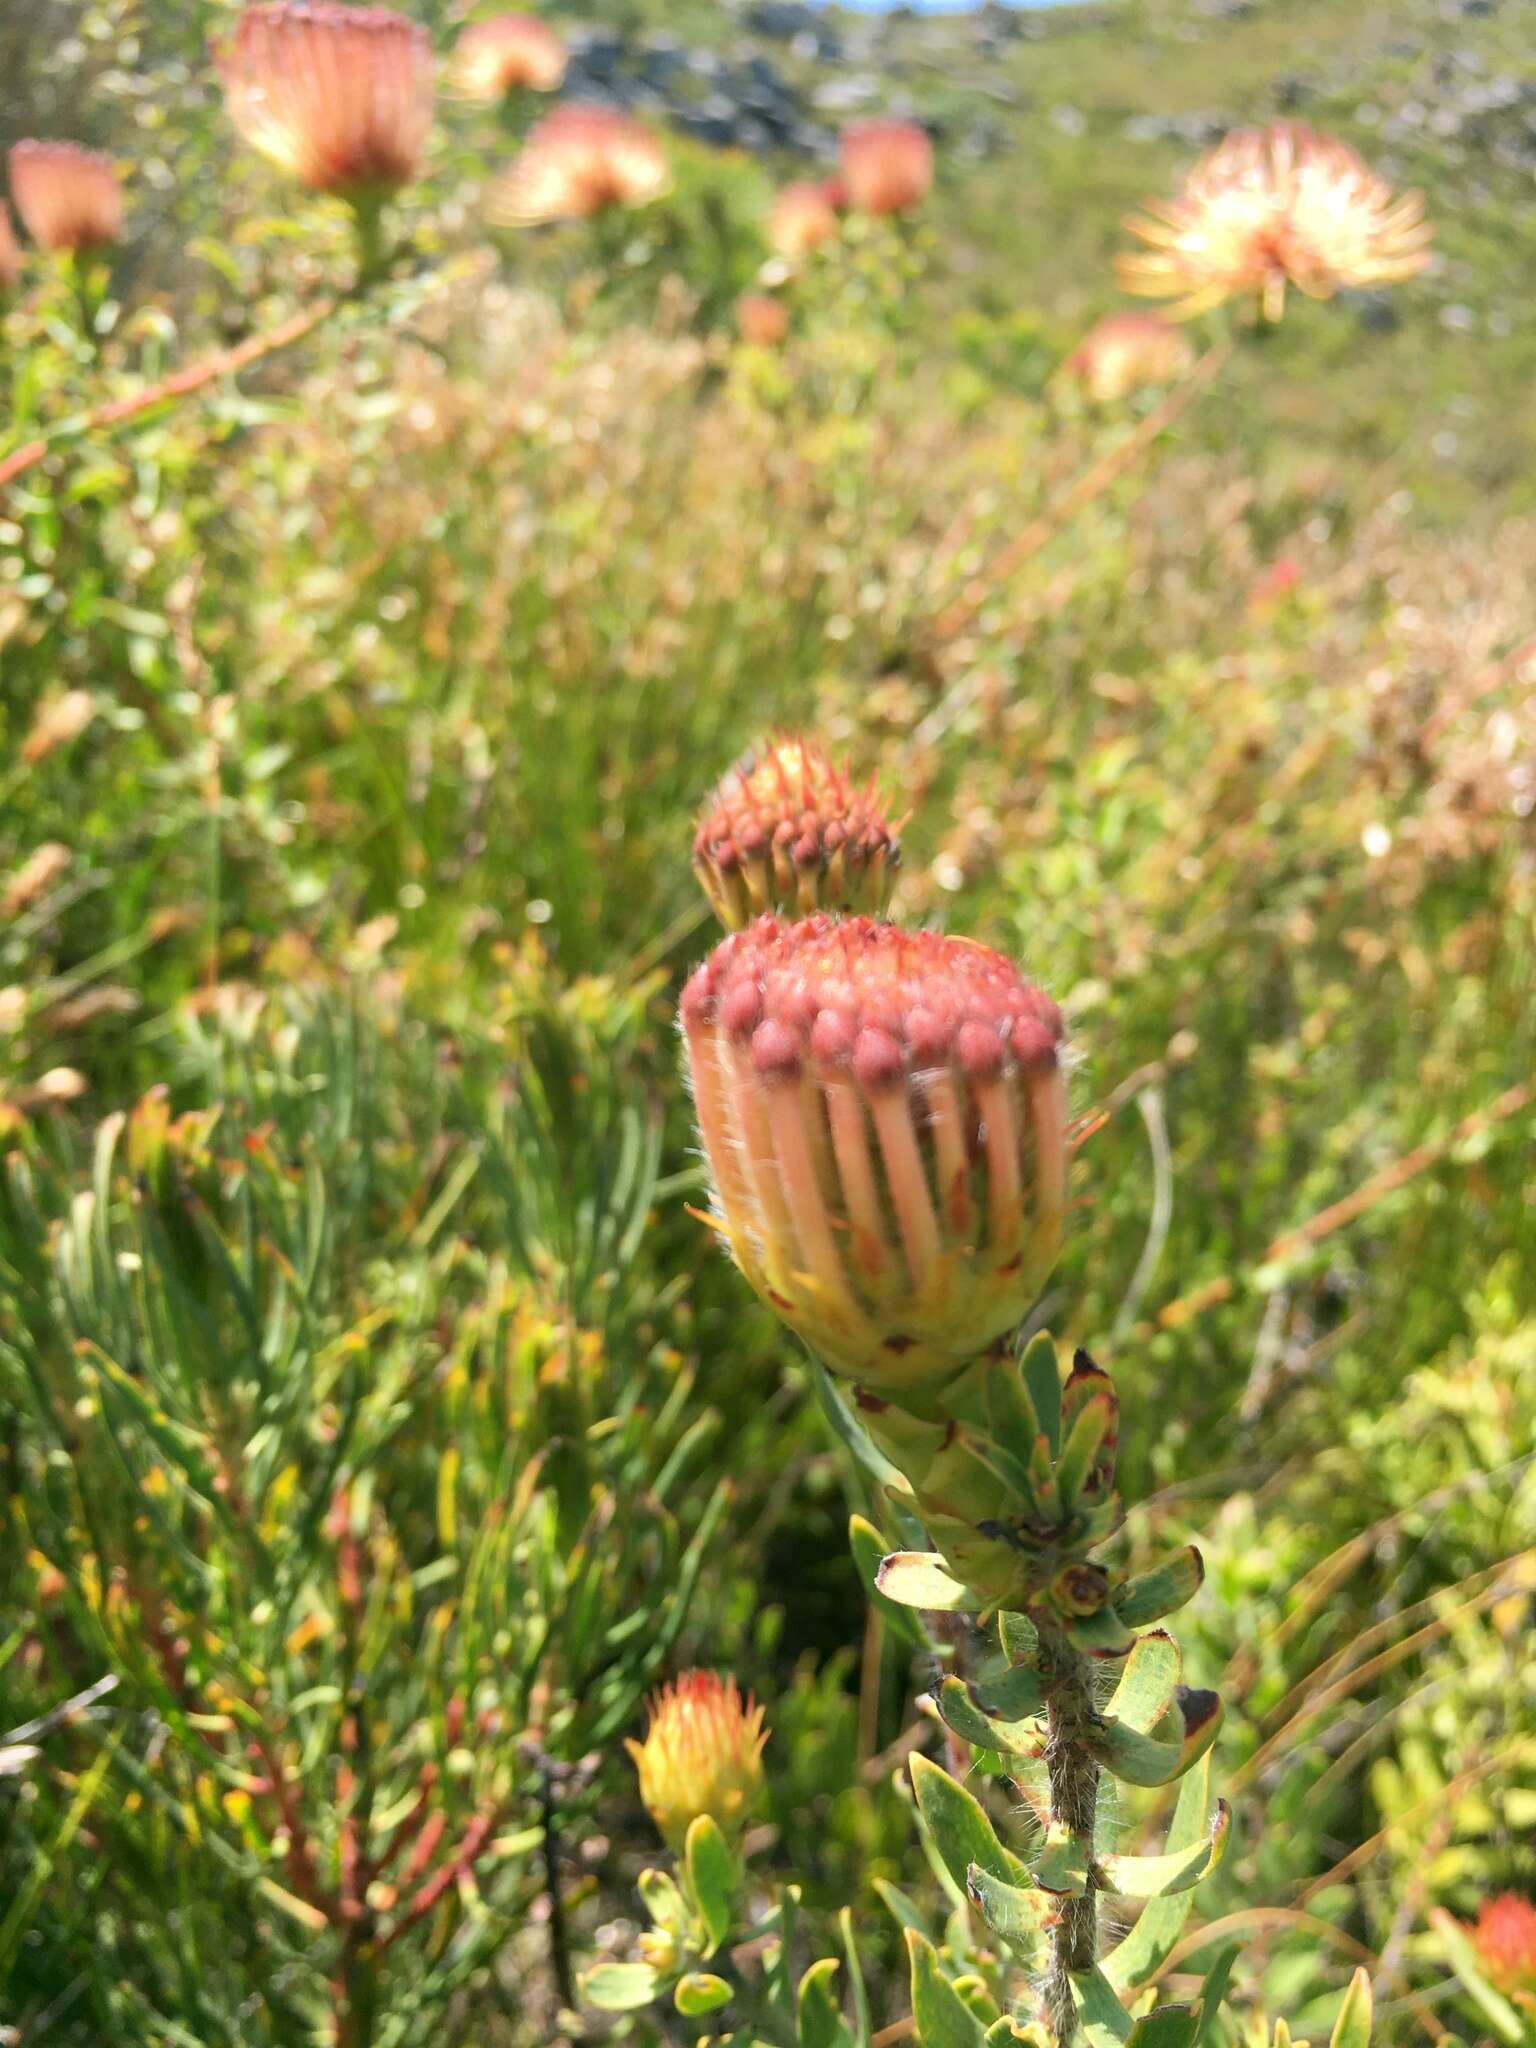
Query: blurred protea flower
x=1271, y=207
x=1505, y=1939
x=69, y=199
x=10, y=251
x=702, y=1754
x=762, y=319
x=802, y=217
x=338, y=97
x=884, y=1114
x=787, y=830
x=510, y=53
x=1125, y=352
x=886, y=165
x=578, y=161
x=57, y=721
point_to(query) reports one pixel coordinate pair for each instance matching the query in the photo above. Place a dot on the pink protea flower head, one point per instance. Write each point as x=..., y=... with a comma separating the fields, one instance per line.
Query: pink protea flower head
x=10, y=250
x=1505, y=1939
x=1125, y=352
x=886, y=165
x=802, y=217
x=786, y=829
x=702, y=1753
x=1272, y=207
x=762, y=319
x=578, y=161
x=338, y=97
x=69, y=199
x=509, y=53
x=884, y=1114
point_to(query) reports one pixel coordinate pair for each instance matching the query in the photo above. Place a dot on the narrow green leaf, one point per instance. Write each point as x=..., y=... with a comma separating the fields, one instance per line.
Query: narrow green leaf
x=1166, y=2026
x=1151, y=1941
x=943, y=2018
x=712, y=1876
x=699, y=1993
x=619, y=1987
x=1147, y=1683
x=1106, y=2023
x=1185, y=1733
x=1494, y=2006
x=855, y=1977
x=1162, y=1590
x=900, y=1907
x=1020, y=1638
x=1158, y=1877
x=917, y=1578
x=1016, y=1914
x=1352, y=2028
x=821, y=2024
x=1094, y=1421
x=959, y=1829
x=1060, y=1866
x=1212, y=1992
x=956, y=1702
x=1042, y=1381
x=869, y=1552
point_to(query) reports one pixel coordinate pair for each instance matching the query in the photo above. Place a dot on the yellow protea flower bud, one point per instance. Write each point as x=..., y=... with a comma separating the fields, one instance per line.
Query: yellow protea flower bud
x=788, y=830
x=885, y=1118
x=702, y=1754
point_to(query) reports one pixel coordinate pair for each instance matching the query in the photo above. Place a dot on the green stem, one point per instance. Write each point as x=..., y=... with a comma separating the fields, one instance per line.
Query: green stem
x=372, y=251
x=1074, y=1782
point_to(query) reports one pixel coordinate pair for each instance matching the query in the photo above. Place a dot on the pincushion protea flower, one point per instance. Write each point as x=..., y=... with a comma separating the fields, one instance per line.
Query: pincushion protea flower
x=1271, y=207
x=761, y=319
x=886, y=166
x=803, y=216
x=702, y=1753
x=579, y=161
x=787, y=830
x=510, y=53
x=1505, y=1940
x=69, y=198
x=884, y=1114
x=10, y=253
x=1125, y=352
x=338, y=97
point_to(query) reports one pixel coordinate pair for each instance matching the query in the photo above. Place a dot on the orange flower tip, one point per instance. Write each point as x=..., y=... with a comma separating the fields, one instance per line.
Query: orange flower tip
x=885, y=165
x=1505, y=1939
x=787, y=829
x=509, y=53
x=702, y=1754
x=68, y=198
x=884, y=1116
x=1272, y=207
x=338, y=97
x=579, y=161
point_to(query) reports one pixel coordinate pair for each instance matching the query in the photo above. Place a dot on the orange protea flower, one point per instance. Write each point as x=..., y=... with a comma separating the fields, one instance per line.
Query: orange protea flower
x=511, y=53
x=69, y=198
x=886, y=165
x=884, y=1114
x=762, y=320
x=702, y=1753
x=578, y=161
x=10, y=251
x=338, y=97
x=1270, y=207
x=802, y=217
x=1125, y=352
x=1505, y=1940
x=787, y=830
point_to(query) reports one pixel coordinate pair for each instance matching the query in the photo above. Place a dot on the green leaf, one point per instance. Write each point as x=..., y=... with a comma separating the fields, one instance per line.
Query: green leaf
x=942, y=2016
x=1163, y=1590
x=1014, y=1695
x=956, y=1702
x=1020, y=1638
x=869, y=1551
x=1007, y=2031
x=1011, y=1418
x=1352, y=2028
x=1151, y=1941
x=1185, y=1734
x=1212, y=1992
x=663, y=1900
x=1147, y=1683
x=917, y=1578
x=619, y=1987
x=1042, y=1381
x=1074, y=1467
x=1015, y=1913
x=1165, y=2026
x=821, y=2024
x=1087, y=1384
x=900, y=1907
x=1495, y=2007
x=712, y=1876
x=959, y=1829
x=1101, y=1635
x=1158, y=1877
x=855, y=1976
x=699, y=1992
x=1106, y=2023
x=1061, y=1864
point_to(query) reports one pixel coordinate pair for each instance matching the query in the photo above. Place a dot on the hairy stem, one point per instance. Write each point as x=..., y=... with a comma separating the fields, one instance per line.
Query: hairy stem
x=1074, y=1782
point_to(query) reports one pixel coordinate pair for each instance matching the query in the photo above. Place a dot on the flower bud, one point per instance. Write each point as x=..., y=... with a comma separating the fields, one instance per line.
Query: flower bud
x=802, y=217
x=69, y=199
x=1126, y=352
x=884, y=1114
x=510, y=53
x=886, y=165
x=702, y=1753
x=579, y=161
x=787, y=830
x=338, y=97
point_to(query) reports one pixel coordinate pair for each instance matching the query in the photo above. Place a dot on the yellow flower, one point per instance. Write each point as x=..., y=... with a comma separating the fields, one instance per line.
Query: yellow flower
x=702, y=1754
x=1271, y=207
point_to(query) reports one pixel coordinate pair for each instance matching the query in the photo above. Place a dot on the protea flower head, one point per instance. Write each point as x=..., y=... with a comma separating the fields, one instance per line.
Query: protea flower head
x=509, y=53
x=10, y=251
x=1505, y=1939
x=1124, y=352
x=885, y=165
x=578, y=161
x=884, y=1114
x=702, y=1754
x=787, y=830
x=802, y=217
x=1271, y=207
x=338, y=97
x=762, y=319
x=69, y=198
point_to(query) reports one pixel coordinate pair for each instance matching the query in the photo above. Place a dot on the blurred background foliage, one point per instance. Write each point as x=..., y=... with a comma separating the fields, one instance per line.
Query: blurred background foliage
x=378, y=1424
